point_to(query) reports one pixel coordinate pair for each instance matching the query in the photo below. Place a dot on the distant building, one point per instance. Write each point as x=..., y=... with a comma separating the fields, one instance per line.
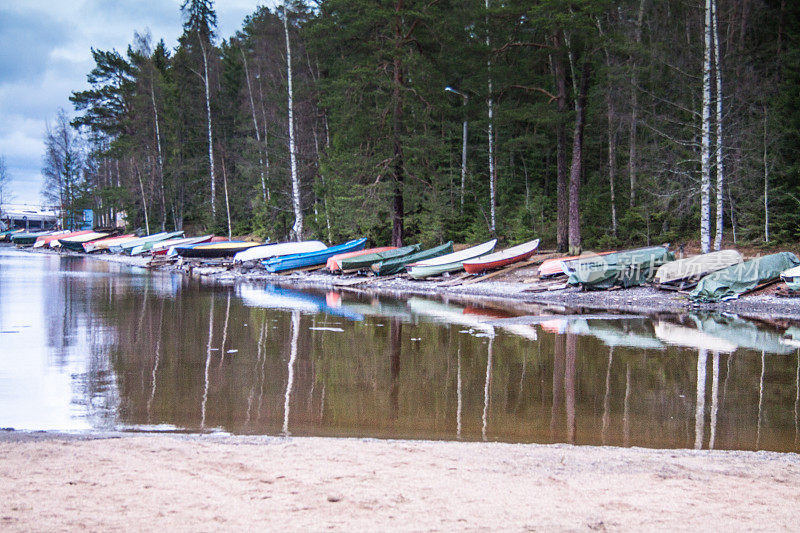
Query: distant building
x=29, y=216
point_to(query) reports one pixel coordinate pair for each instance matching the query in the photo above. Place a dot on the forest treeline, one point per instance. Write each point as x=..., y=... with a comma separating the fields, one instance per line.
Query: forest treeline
x=584, y=122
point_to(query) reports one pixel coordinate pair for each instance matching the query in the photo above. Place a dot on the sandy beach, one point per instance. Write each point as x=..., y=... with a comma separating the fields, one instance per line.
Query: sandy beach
x=205, y=483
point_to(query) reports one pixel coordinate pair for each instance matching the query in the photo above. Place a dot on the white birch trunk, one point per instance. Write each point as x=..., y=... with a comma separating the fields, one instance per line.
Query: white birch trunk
x=255, y=127
x=766, y=182
x=705, y=157
x=297, y=228
x=492, y=172
x=227, y=201
x=144, y=198
x=160, y=155
x=210, y=136
x=720, y=144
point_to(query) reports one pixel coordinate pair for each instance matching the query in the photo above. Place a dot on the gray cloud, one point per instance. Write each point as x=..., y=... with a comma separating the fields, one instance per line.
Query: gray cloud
x=26, y=40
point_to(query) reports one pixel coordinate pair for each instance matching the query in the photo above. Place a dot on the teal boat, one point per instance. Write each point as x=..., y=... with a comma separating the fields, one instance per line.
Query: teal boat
x=730, y=282
x=397, y=265
x=620, y=269
x=367, y=260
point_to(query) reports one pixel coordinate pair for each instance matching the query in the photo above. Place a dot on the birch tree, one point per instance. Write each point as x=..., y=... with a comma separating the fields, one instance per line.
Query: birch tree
x=297, y=228
x=719, y=144
x=705, y=156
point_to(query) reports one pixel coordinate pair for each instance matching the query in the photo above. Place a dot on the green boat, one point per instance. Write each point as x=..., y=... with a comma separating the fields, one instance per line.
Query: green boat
x=619, y=269
x=27, y=239
x=367, y=260
x=397, y=265
x=449, y=263
x=730, y=282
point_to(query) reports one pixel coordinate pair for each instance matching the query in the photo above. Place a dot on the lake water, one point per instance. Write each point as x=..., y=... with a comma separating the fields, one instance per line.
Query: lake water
x=89, y=345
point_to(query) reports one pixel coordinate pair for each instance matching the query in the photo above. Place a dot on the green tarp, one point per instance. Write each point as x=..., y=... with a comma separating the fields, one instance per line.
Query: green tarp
x=620, y=269
x=732, y=281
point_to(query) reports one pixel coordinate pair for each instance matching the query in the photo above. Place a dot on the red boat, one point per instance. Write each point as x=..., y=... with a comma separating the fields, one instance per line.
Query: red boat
x=518, y=253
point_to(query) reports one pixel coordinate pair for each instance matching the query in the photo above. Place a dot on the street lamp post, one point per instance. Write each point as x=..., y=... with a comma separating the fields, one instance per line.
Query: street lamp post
x=464, y=144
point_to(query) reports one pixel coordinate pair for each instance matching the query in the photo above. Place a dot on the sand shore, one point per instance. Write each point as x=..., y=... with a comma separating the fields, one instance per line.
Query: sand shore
x=204, y=483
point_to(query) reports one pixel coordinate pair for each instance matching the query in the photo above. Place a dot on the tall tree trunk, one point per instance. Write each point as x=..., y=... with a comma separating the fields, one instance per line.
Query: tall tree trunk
x=720, y=144
x=612, y=139
x=490, y=103
x=144, y=198
x=297, y=228
x=705, y=157
x=160, y=155
x=766, y=181
x=562, y=198
x=255, y=127
x=227, y=200
x=210, y=135
x=576, y=168
x=397, y=117
x=632, y=157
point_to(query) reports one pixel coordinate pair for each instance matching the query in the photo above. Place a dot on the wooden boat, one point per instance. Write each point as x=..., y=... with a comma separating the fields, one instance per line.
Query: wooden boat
x=333, y=263
x=104, y=244
x=791, y=278
x=512, y=255
x=214, y=249
x=552, y=267
x=398, y=264
x=308, y=259
x=75, y=244
x=265, y=251
x=450, y=262
x=127, y=247
x=367, y=260
x=697, y=266
x=160, y=248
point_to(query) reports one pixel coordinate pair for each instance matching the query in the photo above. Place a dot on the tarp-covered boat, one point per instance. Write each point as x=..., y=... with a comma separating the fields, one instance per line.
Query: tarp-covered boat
x=732, y=281
x=265, y=251
x=697, y=266
x=450, y=262
x=75, y=244
x=619, y=269
x=398, y=264
x=334, y=263
x=309, y=259
x=214, y=249
x=506, y=257
x=367, y=260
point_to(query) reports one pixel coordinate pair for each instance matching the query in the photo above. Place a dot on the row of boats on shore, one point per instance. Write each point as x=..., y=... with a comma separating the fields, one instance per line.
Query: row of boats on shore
x=710, y=277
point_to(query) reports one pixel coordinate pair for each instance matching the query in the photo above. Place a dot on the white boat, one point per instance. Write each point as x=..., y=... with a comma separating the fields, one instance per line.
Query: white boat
x=163, y=246
x=450, y=262
x=791, y=278
x=697, y=266
x=259, y=253
x=506, y=257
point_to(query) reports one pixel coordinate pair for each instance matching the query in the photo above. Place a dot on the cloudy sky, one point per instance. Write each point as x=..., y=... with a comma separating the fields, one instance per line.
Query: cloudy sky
x=44, y=56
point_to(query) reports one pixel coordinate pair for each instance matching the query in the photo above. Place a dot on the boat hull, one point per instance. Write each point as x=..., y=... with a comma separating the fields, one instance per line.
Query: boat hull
x=214, y=250
x=309, y=259
x=501, y=259
x=334, y=263
x=450, y=262
x=397, y=265
x=366, y=261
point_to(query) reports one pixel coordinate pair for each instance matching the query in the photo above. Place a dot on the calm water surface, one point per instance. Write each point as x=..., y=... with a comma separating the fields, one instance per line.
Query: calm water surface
x=87, y=345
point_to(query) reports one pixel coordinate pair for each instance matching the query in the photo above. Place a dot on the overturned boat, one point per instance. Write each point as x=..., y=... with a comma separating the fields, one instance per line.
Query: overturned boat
x=731, y=282
x=691, y=269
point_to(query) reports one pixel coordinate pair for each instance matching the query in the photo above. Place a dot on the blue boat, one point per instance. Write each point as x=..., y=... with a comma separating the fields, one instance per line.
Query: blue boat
x=308, y=259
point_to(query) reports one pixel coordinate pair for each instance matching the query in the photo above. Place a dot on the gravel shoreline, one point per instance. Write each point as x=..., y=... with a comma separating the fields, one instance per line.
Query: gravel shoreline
x=507, y=290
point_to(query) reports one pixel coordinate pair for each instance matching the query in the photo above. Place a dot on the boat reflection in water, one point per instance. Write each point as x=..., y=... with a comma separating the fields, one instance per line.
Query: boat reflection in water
x=137, y=351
